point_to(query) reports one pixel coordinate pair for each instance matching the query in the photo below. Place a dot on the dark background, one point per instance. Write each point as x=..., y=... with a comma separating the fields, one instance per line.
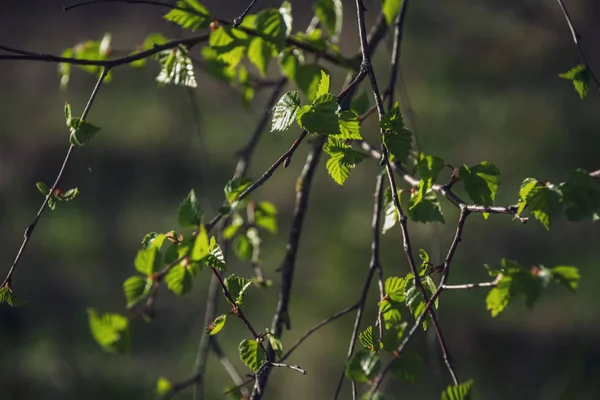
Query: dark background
x=481, y=79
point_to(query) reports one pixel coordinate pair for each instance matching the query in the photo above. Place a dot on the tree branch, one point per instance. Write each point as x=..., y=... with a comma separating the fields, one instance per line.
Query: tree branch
x=33, y=224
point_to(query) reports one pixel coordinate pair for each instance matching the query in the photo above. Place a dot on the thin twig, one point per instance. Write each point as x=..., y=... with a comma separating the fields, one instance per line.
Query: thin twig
x=374, y=265
x=398, y=28
x=316, y=328
x=577, y=38
x=255, y=242
x=33, y=224
x=281, y=316
x=238, y=20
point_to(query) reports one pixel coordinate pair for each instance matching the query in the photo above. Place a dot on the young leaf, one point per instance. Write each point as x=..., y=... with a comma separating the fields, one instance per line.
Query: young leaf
x=499, y=297
x=391, y=312
x=393, y=336
x=394, y=288
x=581, y=195
x=391, y=214
x=545, y=204
x=288, y=63
x=41, y=186
x=7, y=296
x=330, y=13
x=342, y=159
x=216, y=326
x=396, y=137
x=324, y=84
x=163, y=385
x=429, y=168
x=349, y=126
x=307, y=79
x=235, y=187
x=176, y=67
x=412, y=296
x=286, y=12
x=243, y=248
x=567, y=276
x=581, y=77
x=260, y=53
x=135, y=289
x=81, y=131
x=408, y=367
x=179, y=279
x=270, y=25
x=215, y=259
x=201, y=246
x=481, y=182
x=148, y=261
x=284, y=112
x=153, y=239
x=111, y=331
x=216, y=66
x=363, y=366
x=459, y=392
x=252, y=354
x=321, y=116
x=427, y=209
x=390, y=9
x=236, y=286
x=189, y=15
x=367, y=339
x=265, y=216
x=276, y=344
x=190, y=212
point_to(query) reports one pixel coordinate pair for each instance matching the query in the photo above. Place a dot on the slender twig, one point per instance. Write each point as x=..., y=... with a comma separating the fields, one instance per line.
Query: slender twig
x=577, y=39
x=469, y=286
x=281, y=316
x=374, y=264
x=316, y=328
x=398, y=27
x=33, y=224
x=238, y=20
x=256, y=243
x=294, y=367
x=228, y=365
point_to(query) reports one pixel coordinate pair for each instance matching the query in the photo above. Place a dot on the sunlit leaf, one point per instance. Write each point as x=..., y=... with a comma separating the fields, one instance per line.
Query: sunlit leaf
x=111, y=331
x=363, y=366
x=252, y=354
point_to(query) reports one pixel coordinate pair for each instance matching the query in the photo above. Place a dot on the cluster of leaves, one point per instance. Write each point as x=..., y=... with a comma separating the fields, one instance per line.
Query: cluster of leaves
x=581, y=77
x=513, y=280
x=578, y=197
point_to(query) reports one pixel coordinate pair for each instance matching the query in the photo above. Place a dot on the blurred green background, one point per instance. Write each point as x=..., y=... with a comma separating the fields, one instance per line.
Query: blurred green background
x=481, y=79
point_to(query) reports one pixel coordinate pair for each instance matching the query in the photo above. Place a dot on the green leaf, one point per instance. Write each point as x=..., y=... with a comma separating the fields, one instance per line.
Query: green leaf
x=567, y=276
x=284, y=112
x=581, y=195
x=307, y=79
x=459, y=392
x=429, y=168
x=179, y=279
x=235, y=187
x=270, y=25
x=216, y=67
x=243, y=248
x=545, y=204
x=111, y=331
x=176, y=67
x=360, y=104
x=190, y=212
x=499, y=297
x=276, y=344
x=163, y=385
x=216, y=326
x=390, y=9
x=236, y=286
x=413, y=298
x=153, y=239
x=286, y=12
x=324, y=84
x=391, y=312
x=376, y=396
x=51, y=203
x=342, y=159
x=69, y=195
x=215, y=259
x=321, y=116
x=148, y=261
x=363, y=366
x=330, y=13
x=396, y=137
x=481, y=182
x=349, y=126
x=427, y=209
x=391, y=216
x=581, y=77
x=408, y=367
x=394, y=288
x=393, y=336
x=81, y=131
x=7, y=296
x=367, y=339
x=526, y=187
x=260, y=53
x=154, y=39
x=201, y=246
x=252, y=354
x=265, y=216
x=190, y=15
x=288, y=62
x=135, y=289
x=41, y=186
